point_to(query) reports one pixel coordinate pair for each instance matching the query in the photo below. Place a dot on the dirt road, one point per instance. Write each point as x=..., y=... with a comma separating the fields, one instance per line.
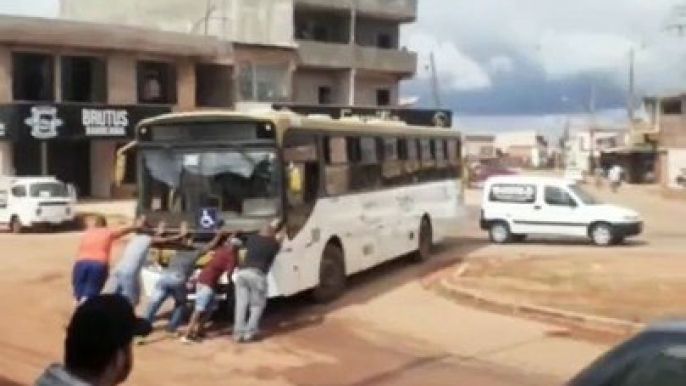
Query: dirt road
x=388, y=330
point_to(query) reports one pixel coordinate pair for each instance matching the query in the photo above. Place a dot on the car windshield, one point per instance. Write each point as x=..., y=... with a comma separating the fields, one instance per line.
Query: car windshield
x=585, y=197
x=49, y=190
x=240, y=183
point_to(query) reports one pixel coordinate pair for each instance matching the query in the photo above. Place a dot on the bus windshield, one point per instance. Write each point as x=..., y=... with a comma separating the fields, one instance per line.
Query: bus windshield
x=240, y=182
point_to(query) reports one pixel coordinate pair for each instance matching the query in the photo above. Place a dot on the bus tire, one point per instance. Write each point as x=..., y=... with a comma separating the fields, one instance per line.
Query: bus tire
x=425, y=241
x=332, y=275
x=15, y=225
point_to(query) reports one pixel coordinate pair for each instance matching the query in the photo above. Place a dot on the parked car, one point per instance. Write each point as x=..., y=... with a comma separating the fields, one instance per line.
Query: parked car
x=27, y=202
x=654, y=357
x=514, y=207
x=481, y=173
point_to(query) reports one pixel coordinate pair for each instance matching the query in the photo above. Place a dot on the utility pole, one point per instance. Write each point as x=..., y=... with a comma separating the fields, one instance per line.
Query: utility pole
x=435, y=88
x=631, y=94
x=352, y=42
x=592, y=129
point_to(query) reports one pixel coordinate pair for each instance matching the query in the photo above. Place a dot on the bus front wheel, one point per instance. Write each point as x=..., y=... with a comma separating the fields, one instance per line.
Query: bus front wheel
x=331, y=274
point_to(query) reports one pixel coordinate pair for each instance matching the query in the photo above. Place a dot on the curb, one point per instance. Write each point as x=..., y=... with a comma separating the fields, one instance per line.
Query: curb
x=588, y=321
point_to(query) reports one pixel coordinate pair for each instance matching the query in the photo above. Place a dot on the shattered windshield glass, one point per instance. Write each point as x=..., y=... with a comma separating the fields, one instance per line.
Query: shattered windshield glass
x=238, y=182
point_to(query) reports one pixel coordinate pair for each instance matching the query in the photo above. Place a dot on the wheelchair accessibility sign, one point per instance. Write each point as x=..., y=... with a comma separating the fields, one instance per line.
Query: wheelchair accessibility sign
x=208, y=219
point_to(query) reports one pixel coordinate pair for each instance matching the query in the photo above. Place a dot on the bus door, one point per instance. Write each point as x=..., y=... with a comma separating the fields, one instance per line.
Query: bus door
x=301, y=249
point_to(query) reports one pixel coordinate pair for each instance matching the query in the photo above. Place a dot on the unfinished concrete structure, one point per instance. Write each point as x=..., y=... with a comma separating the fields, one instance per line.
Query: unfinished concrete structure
x=71, y=93
x=305, y=51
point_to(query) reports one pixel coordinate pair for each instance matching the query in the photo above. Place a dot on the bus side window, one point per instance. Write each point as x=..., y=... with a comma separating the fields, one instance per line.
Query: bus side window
x=411, y=158
x=301, y=160
x=337, y=169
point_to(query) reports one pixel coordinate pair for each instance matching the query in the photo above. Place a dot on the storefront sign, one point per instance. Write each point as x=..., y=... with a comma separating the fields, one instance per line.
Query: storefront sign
x=43, y=122
x=105, y=122
x=68, y=121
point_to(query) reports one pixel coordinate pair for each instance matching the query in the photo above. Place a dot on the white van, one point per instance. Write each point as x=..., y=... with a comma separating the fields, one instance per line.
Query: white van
x=514, y=207
x=27, y=202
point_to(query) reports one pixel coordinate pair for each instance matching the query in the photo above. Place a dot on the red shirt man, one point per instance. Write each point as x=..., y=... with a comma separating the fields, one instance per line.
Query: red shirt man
x=223, y=261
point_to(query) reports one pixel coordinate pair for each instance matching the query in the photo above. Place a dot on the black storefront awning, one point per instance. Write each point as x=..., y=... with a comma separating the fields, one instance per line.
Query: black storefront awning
x=72, y=121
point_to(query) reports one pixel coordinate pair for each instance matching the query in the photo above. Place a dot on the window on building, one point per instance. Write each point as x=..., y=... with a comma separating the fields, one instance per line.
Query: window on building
x=213, y=85
x=157, y=82
x=324, y=95
x=383, y=97
x=33, y=77
x=263, y=82
x=84, y=79
x=384, y=40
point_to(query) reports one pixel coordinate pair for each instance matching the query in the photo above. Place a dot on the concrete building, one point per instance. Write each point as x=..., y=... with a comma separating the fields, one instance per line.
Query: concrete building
x=664, y=134
x=523, y=148
x=72, y=92
x=343, y=51
x=477, y=147
x=578, y=148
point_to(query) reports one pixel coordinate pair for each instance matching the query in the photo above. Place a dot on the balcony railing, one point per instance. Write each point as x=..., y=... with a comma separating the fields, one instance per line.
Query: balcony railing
x=399, y=10
x=345, y=56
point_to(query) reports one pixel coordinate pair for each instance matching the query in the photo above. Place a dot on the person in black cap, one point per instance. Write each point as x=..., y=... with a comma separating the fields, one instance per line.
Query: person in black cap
x=98, y=346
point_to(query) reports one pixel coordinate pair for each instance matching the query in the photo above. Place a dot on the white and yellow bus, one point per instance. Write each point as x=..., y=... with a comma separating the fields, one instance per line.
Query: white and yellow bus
x=353, y=193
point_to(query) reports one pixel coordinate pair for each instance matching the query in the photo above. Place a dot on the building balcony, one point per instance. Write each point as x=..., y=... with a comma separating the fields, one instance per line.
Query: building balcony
x=404, y=11
x=344, y=56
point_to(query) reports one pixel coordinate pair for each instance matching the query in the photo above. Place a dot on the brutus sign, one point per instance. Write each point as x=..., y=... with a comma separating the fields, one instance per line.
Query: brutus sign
x=105, y=122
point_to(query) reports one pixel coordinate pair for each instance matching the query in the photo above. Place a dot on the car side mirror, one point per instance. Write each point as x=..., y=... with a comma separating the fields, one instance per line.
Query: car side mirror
x=572, y=203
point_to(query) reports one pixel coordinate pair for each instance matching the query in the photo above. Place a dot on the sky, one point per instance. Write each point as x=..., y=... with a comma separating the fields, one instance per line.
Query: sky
x=539, y=59
x=542, y=58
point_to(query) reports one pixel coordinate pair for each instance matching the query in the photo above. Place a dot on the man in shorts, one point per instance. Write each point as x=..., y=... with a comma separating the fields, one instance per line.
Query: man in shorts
x=223, y=262
x=92, y=265
x=173, y=282
x=126, y=276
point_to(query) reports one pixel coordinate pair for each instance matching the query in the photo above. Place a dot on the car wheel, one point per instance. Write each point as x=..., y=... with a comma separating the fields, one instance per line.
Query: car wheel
x=499, y=232
x=602, y=234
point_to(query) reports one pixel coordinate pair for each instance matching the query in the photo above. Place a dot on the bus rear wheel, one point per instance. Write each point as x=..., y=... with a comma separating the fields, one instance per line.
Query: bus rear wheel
x=331, y=274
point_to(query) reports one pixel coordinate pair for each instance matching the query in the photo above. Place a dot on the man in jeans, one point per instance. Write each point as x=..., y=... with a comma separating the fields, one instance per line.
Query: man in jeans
x=173, y=281
x=126, y=277
x=251, y=282
x=223, y=261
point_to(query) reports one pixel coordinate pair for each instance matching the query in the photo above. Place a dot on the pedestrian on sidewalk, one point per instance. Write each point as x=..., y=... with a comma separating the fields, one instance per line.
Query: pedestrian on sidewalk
x=615, y=176
x=126, y=277
x=98, y=346
x=223, y=262
x=251, y=282
x=174, y=279
x=93, y=257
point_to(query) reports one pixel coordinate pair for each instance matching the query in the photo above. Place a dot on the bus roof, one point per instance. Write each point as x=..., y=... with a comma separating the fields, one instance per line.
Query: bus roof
x=286, y=119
